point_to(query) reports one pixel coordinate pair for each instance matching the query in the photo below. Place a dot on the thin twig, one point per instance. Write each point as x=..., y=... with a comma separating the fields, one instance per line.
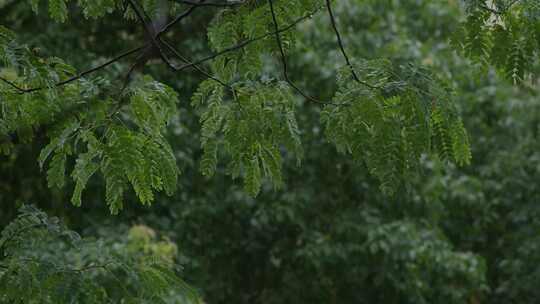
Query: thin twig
x=150, y=33
x=243, y=44
x=154, y=38
x=115, y=59
x=169, y=25
x=127, y=78
x=342, y=47
x=178, y=69
x=78, y=76
x=99, y=67
x=185, y=60
x=12, y=84
x=284, y=59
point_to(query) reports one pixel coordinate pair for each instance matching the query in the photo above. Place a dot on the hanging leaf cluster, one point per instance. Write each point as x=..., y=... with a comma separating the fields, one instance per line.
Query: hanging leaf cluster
x=251, y=131
x=385, y=115
x=388, y=123
x=120, y=138
x=504, y=34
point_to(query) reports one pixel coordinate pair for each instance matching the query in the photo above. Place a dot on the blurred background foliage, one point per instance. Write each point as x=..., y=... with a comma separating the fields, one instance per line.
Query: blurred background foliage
x=458, y=235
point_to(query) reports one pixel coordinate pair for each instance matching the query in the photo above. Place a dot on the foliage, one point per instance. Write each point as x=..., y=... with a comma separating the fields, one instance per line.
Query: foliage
x=505, y=34
x=390, y=130
x=94, y=133
x=319, y=232
x=44, y=262
x=253, y=130
x=133, y=155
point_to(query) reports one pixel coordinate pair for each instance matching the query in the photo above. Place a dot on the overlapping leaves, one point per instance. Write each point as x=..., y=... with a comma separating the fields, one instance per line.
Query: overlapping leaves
x=138, y=156
x=251, y=131
x=505, y=34
x=41, y=261
x=388, y=125
x=86, y=133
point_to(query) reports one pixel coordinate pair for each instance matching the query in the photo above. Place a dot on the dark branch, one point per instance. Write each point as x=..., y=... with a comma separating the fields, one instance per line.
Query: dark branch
x=284, y=60
x=150, y=33
x=199, y=69
x=117, y=58
x=243, y=44
x=340, y=42
x=13, y=85
x=178, y=69
x=169, y=25
x=156, y=41
x=80, y=75
x=127, y=78
x=159, y=41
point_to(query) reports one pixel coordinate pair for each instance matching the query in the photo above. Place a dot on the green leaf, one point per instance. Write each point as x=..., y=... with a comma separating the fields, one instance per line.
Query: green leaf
x=252, y=183
x=57, y=169
x=85, y=167
x=58, y=10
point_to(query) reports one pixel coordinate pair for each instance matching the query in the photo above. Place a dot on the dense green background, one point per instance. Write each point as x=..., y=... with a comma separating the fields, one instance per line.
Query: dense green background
x=469, y=235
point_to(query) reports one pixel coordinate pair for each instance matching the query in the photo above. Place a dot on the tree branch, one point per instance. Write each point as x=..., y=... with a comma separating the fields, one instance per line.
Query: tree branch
x=284, y=60
x=169, y=25
x=78, y=76
x=340, y=43
x=178, y=69
x=243, y=44
x=150, y=33
x=13, y=85
x=199, y=69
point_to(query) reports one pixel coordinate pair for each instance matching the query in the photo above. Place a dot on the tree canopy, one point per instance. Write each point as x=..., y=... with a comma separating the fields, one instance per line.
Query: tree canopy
x=296, y=151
